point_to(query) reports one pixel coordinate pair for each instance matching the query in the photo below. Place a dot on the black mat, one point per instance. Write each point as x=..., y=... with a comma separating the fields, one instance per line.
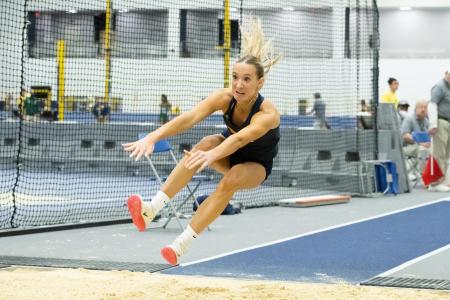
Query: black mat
x=78, y=263
x=418, y=283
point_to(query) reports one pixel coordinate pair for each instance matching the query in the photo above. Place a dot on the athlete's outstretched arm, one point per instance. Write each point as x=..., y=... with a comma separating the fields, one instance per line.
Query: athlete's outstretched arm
x=211, y=104
x=260, y=124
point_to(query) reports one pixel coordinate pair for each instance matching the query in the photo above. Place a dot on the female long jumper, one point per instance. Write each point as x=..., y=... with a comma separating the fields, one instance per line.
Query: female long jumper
x=243, y=153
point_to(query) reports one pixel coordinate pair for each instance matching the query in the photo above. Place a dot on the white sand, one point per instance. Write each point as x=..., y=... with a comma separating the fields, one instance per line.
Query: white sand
x=45, y=283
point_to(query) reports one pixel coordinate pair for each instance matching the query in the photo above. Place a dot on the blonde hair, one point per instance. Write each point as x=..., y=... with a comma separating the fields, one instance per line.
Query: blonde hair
x=255, y=49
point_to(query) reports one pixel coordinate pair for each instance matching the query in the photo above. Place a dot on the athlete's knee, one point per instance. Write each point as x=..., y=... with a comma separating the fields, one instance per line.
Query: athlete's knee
x=207, y=143
x=230, y=182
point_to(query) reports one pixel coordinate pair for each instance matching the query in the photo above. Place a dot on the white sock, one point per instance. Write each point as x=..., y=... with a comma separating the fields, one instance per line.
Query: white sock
x=184, y=240
x=159, y=201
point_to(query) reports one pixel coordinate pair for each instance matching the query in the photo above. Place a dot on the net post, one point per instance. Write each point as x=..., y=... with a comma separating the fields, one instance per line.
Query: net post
x=107, y=40
x=226, y=44
x=61, y=80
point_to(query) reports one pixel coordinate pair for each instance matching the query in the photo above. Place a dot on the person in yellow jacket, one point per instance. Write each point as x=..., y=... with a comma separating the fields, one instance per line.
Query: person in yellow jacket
x=390, y=96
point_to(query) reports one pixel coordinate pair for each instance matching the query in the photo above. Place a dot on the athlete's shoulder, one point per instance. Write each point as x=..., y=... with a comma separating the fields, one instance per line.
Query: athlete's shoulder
x=221, y=98
x=268, y=106
x=269, y=110
x=224, y=94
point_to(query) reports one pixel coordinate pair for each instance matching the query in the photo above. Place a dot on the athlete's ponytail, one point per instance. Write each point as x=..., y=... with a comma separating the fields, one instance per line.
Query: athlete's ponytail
x=255, y=50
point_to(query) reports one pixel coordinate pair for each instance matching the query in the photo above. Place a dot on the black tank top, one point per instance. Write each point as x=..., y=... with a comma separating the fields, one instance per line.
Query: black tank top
x=266, y=147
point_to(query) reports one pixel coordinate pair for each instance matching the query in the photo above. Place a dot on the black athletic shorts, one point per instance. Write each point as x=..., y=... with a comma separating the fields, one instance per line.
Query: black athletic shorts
x=242, y=157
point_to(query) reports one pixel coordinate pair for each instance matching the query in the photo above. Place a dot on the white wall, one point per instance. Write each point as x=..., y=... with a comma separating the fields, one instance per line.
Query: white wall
x=417, y=33
x=414, y=48
x=416, y=76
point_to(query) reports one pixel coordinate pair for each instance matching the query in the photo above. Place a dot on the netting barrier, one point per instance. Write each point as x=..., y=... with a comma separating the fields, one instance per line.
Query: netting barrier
x=79, y=78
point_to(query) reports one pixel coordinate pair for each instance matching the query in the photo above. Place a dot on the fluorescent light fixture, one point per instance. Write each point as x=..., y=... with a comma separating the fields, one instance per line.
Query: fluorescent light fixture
x=289, y=8
x=405, y=8
x=123, y=10
x=72, y=11
x=233, y=9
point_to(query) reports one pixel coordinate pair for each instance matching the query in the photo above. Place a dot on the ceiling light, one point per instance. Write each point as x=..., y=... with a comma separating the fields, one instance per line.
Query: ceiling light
x=72, y=11
x=289, y=8
x=405, y=8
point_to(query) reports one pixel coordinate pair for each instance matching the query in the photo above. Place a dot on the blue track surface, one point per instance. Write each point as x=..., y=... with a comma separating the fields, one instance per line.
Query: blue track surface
x=351, y=253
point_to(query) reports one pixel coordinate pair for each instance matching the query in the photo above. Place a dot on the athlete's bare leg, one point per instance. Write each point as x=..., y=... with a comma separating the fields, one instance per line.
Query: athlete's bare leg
x=242, y=176
x=143, y=213
x=181, y=176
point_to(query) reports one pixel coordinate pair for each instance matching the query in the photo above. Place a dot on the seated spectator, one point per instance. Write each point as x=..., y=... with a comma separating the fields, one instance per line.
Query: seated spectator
x=50, y=113
x=30, y=107
x=364, y=106
x=9, y=101
x=364, y=116
x=415, y=122
x=101, y=112
x=3, y=104
x=402, y=110
x=17, y=106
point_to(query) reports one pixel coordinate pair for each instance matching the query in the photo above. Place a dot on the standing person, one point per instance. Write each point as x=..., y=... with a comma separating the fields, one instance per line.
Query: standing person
x=319, y=109
x=164, y=109
x=439, y=115
x=243, y=153
x=391, y=96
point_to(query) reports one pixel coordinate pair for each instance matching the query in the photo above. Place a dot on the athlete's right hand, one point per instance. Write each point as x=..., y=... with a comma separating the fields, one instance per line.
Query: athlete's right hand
x=140, y=148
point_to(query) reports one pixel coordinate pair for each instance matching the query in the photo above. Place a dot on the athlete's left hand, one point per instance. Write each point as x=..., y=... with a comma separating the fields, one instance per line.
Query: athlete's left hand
x=198, y=159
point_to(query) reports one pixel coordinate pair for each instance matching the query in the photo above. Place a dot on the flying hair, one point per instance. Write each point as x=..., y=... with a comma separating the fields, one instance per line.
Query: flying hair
x=255, y=49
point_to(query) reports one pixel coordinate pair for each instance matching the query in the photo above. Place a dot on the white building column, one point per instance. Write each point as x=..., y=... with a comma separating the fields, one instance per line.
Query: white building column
x=173, y=43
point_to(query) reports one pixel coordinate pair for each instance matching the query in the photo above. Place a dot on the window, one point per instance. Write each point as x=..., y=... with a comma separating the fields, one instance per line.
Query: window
x=46, y=28
x=303, y=32
x=234, y=24
x=360, y=39
x=201, y=34
x=135, y=34
x=141, y=34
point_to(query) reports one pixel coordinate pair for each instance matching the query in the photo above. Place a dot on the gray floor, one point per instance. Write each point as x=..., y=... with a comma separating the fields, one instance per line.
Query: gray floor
x=436, y=266
x=122, y=243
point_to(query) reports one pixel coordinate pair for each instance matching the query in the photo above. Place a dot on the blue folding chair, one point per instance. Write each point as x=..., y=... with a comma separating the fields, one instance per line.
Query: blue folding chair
x=161, y=147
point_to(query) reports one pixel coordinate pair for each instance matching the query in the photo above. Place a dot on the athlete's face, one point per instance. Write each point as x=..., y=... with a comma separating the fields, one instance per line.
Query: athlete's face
x=245, y=84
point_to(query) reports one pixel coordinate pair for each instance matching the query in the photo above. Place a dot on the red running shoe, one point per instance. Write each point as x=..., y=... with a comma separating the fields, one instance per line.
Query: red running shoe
x=170, y=255
x=141, y=212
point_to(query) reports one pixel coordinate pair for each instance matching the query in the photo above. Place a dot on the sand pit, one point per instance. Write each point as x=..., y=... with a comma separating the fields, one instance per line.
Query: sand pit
x=45, y=283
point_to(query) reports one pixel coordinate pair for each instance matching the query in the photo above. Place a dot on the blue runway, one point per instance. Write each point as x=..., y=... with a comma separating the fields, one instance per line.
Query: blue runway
x=352, y=253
